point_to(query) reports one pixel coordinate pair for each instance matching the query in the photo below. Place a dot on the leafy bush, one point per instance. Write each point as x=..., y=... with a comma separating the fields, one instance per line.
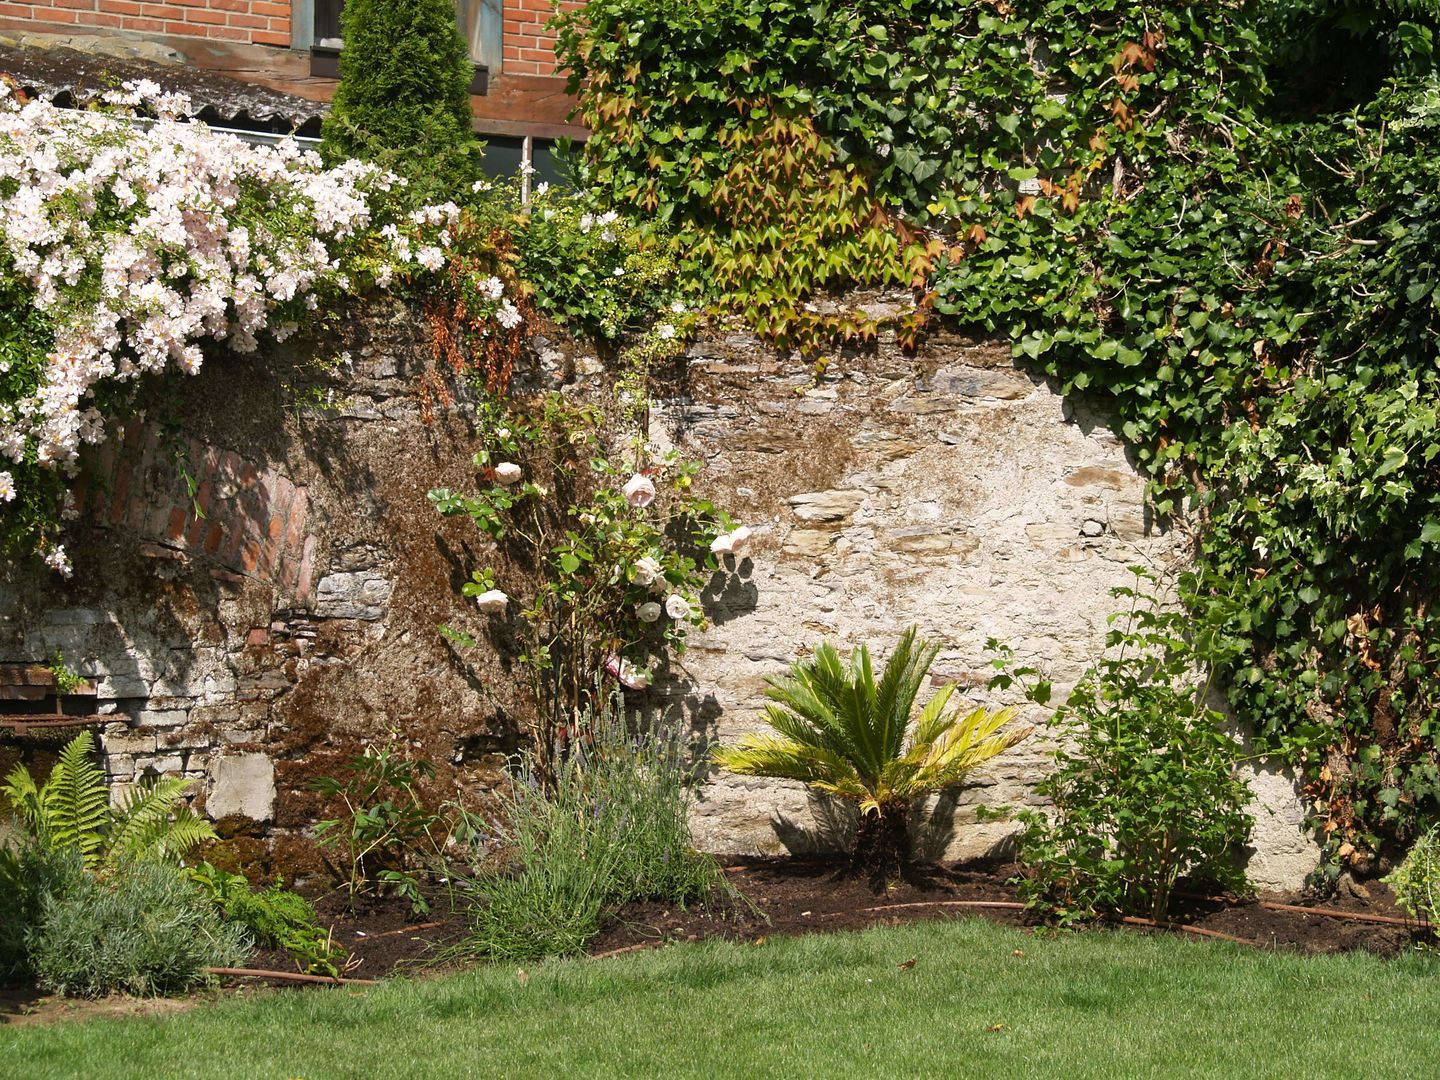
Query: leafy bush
x=1145, y=786
x=612, y=828
x=403, y=100
x=852, y=738
x=594, y=270
x=29, y=874
x=273, y=918
x=141, y=929
x=72, y=811
x=385, y=826
x=1416, y=881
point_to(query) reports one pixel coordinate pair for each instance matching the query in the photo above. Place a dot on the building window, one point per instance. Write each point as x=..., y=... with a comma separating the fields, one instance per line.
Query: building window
x=480, y=22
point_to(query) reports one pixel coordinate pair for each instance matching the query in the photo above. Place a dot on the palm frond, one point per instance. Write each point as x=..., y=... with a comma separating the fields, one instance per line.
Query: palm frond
x=932, y=721
x=965, y=744
x=785, y=759
x=813, y=694
x=899, y=686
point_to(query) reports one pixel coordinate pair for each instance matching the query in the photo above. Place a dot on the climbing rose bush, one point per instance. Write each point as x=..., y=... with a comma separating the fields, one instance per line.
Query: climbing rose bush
x=130, y=245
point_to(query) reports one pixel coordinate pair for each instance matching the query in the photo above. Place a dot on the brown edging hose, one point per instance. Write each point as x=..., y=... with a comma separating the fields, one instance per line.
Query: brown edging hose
x=289, y=976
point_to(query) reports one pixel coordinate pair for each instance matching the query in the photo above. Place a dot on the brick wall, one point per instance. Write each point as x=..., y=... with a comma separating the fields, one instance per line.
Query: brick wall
x=529, y=47
x=241, y=518
x=259, y=22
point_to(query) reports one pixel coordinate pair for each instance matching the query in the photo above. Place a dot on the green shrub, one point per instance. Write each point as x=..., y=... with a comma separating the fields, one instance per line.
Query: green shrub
x=28, y=875
x=384, y=827
x=273, y=918
x=142, y=929
x=594, y=270
x=1416, y=881
x=1145, y=786
x=403, y=99
x=613, y=828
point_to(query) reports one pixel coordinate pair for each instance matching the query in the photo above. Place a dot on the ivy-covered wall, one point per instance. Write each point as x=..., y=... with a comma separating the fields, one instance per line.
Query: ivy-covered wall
x=949, y=489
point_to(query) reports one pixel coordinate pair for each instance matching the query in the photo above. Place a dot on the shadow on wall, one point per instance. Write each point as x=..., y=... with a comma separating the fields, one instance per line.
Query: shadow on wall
x=833, y=823
x=832, y=827
x=729, y=595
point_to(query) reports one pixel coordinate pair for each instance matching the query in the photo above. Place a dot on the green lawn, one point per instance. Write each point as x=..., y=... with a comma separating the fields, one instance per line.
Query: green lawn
x=1093, y=1005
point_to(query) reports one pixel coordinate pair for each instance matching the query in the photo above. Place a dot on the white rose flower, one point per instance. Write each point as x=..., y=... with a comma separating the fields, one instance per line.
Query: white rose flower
x=677, y=607
x=631, y=677
x=493, y=602
x=507, y=473
x=648, y=611
x=648, y=570
x=638, y=490
x=732, y=543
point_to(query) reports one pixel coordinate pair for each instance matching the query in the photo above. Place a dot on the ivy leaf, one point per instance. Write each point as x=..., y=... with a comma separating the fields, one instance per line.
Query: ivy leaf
x=1395, y=458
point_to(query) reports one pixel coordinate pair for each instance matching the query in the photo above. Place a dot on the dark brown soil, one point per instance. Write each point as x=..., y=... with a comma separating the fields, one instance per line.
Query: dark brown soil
x=382, y=937
x=796, y=896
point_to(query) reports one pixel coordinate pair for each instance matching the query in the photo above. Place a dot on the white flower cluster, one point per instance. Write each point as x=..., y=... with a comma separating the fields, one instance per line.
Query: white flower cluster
x=140, y=242
x=603, y=222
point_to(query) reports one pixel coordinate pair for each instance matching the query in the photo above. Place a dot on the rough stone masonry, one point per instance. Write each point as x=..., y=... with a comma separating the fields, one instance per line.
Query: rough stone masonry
x=257, y=598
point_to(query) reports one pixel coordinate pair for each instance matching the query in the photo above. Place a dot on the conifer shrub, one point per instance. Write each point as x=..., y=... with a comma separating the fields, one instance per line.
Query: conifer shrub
x=404, y=95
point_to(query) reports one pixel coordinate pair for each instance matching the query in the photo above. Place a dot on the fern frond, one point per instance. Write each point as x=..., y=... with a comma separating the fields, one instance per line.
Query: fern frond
x=74, y=804
x=24, y=797
x=151, y=821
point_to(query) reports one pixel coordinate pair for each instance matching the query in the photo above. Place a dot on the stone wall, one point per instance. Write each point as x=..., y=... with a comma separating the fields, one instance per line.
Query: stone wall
x=261, y=643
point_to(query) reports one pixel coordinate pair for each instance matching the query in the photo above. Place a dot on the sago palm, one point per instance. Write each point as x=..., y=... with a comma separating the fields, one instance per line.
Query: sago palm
x=845, y=734
x=72, y=811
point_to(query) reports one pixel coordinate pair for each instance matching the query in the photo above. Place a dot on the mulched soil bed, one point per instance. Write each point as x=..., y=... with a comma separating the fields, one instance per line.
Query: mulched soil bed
x=383, y=937
x=794, y=896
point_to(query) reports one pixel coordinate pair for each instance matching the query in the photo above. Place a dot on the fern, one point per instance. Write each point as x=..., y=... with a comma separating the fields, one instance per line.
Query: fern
x=75, y=804
x=151, y=821
x=72, y=812
x=24, y=797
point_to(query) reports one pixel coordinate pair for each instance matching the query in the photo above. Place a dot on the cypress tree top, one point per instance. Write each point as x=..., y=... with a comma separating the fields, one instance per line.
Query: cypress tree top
x=404, y=95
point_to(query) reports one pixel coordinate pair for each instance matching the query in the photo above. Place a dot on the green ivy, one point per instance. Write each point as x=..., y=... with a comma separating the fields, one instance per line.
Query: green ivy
x=1251, y=298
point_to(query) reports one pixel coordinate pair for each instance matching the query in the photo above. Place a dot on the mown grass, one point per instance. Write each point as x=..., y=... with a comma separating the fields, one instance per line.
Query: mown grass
x=980, y=1001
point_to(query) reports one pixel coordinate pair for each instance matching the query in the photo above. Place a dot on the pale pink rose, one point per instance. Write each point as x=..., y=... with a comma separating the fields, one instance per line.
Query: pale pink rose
x=638, y=490
x=507, y=473
x=633, y=678
x=648, y=570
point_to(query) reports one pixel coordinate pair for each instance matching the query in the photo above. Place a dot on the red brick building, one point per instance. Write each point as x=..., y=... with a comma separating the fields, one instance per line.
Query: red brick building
x=506, y=36
x=519, y=100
